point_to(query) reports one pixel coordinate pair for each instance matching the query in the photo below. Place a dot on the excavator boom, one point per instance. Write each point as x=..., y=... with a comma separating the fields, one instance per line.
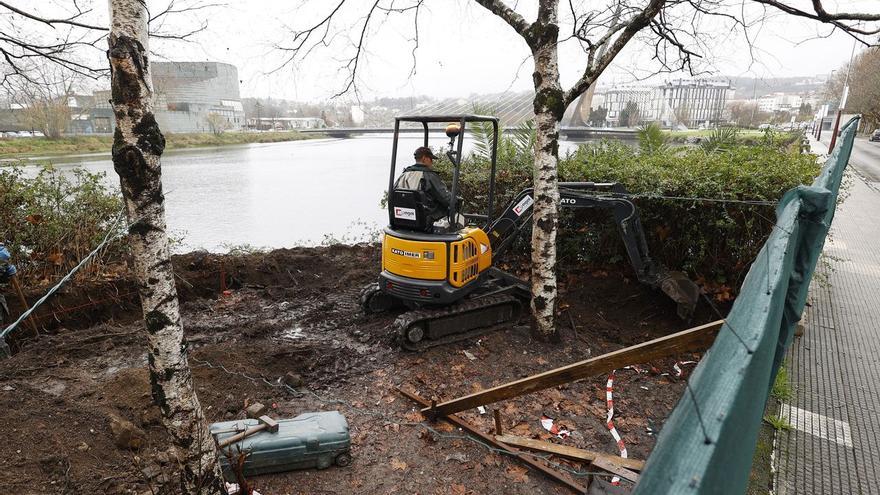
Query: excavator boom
x=609, y=196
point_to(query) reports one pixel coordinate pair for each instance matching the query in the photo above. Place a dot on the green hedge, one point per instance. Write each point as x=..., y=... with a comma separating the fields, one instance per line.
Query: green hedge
x=50, y=221
x=715, y=241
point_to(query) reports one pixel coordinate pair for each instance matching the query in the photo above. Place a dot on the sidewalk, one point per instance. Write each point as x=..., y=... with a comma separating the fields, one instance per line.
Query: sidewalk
x=833, y=446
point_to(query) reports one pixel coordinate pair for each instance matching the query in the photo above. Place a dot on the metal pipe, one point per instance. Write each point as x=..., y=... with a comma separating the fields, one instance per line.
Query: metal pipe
x=453, y=208
x=492, y=173
x=393, y=165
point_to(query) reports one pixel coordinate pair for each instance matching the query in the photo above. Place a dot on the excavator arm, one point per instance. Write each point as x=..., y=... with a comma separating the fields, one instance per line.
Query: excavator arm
x=609, y=196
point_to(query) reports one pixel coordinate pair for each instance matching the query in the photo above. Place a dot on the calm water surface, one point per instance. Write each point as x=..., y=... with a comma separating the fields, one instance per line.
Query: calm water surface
x=274, y=195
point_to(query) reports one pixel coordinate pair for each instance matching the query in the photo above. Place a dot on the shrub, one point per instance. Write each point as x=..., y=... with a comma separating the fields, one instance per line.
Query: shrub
x=713, y=240
x=50, y=221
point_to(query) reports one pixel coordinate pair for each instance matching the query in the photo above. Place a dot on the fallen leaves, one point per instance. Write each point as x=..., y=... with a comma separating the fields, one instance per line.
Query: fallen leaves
x=397, y=464
x=456, y=489
x=413, y=416
x=517, y=474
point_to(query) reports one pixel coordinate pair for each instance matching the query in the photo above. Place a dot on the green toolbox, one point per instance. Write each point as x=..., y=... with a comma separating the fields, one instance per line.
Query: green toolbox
x=310, y=440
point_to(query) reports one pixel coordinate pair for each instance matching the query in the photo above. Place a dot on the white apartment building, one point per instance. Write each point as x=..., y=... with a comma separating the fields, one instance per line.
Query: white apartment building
x=689, y=103
x=779, y=102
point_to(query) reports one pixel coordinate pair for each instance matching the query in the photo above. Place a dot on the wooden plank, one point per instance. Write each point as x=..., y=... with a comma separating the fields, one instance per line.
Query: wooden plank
x=612, y=467
x=559, y=476
x=570, y=452
x=688, y=340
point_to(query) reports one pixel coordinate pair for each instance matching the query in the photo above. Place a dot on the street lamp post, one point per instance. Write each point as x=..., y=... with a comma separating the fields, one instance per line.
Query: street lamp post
x=843, y=98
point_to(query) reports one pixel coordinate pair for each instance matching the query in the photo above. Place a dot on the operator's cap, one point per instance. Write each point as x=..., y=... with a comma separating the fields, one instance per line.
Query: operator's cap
x=424, y=151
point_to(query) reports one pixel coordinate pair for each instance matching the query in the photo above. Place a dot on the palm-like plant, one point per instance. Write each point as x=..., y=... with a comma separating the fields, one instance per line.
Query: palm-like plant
x=520, y=144
x=652, y=139
x=720, y=139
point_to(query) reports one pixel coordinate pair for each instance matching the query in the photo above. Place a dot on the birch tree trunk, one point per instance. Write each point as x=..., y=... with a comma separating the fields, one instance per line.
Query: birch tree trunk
x=137, y=147
x=549, y=108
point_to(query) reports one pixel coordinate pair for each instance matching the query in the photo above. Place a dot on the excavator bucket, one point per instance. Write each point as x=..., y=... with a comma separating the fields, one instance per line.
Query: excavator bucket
x=680, y=289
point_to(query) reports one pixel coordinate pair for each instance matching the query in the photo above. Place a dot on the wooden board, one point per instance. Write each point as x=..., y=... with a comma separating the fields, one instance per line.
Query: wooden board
x=570, y=452
x=696, y=338
x=532, y=462
x=613, y=467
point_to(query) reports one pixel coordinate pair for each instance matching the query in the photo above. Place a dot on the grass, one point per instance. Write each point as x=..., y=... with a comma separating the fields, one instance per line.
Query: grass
x=782, y=390
x=22, y=147
x=777, y=422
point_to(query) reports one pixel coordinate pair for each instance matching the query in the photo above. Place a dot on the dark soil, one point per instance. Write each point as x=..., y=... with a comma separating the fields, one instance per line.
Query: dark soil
x=296, y=310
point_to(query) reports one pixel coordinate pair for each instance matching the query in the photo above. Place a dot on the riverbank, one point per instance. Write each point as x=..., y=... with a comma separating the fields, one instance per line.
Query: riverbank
x=292, y=316
x=25, y=147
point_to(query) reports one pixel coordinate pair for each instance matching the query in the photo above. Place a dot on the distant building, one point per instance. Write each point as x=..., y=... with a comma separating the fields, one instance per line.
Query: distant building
x=90, y=114
x=616, y=100
x=691, y=103
x=688, y=103
x=780, y=102
x=187, y=97
x=196, y=96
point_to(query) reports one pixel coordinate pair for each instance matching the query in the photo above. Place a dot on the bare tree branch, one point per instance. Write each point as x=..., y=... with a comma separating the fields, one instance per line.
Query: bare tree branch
x=24, y=35
x=510, y=16
x=821, y=15
x=320, y=35
x=629, y=29
x=52, y=22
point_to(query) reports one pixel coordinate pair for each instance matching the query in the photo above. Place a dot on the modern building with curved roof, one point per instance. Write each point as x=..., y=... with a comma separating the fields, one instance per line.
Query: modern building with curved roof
x=197, y=96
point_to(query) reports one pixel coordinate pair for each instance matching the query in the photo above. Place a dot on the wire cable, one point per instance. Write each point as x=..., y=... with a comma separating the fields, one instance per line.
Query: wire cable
x=107, y=238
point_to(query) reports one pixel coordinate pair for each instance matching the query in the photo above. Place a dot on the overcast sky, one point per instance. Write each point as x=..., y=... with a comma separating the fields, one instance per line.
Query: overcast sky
x=464, y=50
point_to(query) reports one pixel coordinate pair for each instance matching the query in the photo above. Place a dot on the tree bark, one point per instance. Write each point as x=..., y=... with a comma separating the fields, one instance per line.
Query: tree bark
x=137, y=147
x=549, y=108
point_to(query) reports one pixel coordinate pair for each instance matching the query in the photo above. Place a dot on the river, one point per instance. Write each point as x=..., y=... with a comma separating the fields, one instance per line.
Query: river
x=276, y=194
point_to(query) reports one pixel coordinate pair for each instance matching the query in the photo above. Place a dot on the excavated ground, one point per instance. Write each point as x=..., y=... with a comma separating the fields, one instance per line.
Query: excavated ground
x=296, y=311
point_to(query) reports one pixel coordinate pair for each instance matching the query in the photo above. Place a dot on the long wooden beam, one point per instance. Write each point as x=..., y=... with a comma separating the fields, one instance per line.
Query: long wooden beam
x=687, y=340
x=559, y=476
x=570, y=452
x=613, y=467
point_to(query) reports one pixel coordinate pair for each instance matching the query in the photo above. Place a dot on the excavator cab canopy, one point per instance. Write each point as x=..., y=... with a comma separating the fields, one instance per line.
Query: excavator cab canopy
x=409, y=200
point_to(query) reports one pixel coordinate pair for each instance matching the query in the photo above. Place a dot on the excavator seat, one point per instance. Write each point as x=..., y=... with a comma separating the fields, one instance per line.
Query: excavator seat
x=406, y=210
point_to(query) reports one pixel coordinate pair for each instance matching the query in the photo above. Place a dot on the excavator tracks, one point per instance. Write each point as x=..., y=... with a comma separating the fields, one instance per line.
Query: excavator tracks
x=425, y=328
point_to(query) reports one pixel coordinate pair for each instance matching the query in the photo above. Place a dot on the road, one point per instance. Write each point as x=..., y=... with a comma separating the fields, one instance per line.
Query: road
x=865, y=157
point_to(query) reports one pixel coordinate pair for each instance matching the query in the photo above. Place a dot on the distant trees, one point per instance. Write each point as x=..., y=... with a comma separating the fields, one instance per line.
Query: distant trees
x=747, y=114
x=598, y=116
x=805, y=112
x=629, y=116
x=217, y=123
x=864, y=86
x=780, y=117
x=43, y=97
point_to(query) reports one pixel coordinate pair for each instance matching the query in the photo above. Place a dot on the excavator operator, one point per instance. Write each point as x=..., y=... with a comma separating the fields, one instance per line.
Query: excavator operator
x=422, y=177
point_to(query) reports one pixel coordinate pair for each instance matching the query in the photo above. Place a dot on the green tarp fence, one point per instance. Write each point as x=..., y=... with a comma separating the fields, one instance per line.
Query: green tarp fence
x=707, y=443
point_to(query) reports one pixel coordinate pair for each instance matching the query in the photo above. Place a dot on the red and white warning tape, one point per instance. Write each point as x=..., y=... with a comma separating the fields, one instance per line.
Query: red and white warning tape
x=609, y=401
x=677, y=367
x=549, y=425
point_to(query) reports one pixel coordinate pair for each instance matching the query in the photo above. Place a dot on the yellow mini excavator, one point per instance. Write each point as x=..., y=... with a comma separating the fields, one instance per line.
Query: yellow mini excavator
x=445, y=275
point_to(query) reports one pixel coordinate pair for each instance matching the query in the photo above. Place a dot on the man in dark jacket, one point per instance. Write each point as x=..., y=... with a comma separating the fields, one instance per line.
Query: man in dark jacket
x=421, y=177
